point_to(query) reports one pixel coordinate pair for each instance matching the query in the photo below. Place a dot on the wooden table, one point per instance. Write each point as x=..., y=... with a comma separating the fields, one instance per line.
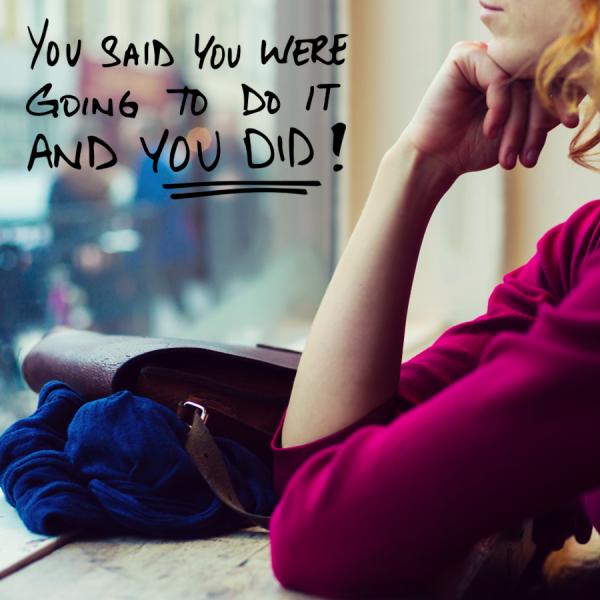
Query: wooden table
x=237, y=565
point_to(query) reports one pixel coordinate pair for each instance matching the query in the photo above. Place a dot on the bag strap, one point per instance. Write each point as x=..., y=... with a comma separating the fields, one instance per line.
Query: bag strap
x=209, y=460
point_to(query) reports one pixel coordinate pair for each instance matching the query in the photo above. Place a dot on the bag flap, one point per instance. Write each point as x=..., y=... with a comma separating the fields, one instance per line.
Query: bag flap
x=96, y=364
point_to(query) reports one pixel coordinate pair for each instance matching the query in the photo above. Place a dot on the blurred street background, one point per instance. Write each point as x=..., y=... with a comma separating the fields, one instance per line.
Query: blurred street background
x=109, y=250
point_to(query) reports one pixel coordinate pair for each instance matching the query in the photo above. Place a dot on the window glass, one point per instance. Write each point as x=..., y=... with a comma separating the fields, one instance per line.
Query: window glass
x=110, y=250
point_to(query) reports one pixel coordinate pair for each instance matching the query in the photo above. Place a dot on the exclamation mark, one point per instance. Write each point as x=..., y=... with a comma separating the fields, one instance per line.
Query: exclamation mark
x=338, y=137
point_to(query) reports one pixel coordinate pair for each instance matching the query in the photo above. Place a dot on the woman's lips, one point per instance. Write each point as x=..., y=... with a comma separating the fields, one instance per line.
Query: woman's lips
x=489, y=6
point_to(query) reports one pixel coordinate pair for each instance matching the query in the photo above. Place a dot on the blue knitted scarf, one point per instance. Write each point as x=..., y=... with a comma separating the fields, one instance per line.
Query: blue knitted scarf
x=118, y=465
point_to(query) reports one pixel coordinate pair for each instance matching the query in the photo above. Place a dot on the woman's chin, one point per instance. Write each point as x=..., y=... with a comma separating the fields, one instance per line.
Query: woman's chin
x=514, y=64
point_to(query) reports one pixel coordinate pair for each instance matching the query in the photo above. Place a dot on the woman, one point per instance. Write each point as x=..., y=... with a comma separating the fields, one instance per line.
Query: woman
x=504, y=408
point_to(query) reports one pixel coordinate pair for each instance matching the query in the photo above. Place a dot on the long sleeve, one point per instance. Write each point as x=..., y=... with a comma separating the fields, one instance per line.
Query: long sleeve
x=288, y=460
x=512, y=306
x=385, y=505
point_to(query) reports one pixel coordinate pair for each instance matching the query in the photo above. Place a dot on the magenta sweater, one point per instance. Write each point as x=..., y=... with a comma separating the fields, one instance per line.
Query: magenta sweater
x=503, y=425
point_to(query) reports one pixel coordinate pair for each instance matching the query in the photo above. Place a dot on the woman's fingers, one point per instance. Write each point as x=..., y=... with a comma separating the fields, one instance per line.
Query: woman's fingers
x=568, y=118
x=515, y=110
x=540, y=123
x=552, y=529
x=583, y=528
x=498, y=100
x=515, y=128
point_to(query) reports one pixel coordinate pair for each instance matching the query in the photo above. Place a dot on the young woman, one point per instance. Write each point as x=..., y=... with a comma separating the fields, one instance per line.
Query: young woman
x=504, y=409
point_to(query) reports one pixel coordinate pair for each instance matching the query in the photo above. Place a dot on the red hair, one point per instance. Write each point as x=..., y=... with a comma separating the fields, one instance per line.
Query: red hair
x=557, y=74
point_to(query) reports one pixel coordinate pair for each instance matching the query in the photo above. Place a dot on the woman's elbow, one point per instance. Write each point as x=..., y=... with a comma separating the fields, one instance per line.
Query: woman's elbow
x=306, y=557
x=292, y=561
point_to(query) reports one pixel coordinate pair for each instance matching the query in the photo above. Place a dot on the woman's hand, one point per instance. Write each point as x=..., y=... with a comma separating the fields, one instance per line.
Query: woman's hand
x=473, y=116
x=551, y=530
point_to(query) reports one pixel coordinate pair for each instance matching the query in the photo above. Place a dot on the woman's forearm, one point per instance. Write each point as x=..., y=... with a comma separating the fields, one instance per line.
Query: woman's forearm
x=351, y=360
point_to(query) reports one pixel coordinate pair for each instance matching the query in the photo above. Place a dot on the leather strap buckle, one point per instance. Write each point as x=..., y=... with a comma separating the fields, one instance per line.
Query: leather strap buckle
x=188, y=408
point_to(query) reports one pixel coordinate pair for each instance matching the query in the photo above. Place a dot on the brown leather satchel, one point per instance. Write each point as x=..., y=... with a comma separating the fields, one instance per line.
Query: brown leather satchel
x=242, y=390
x=238, y=392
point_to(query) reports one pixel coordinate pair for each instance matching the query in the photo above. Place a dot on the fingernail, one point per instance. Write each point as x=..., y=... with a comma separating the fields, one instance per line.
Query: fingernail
x=511, y=159
x=531, y=157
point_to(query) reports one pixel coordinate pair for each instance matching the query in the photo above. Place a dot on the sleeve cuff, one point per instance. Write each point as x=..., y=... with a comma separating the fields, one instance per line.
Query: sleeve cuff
x=287, y=460
x=591, y=505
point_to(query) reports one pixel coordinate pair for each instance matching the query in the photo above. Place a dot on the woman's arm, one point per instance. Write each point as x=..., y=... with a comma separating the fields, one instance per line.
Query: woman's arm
x=512, y=306
x=351, y=359
x=386, y=509
x=350, y=362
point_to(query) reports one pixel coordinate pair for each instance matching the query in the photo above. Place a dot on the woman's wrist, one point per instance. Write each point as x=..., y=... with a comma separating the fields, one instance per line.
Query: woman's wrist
x=428, y=177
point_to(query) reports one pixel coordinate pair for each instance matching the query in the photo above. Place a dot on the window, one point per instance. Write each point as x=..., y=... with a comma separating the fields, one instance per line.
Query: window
x=109, y=250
